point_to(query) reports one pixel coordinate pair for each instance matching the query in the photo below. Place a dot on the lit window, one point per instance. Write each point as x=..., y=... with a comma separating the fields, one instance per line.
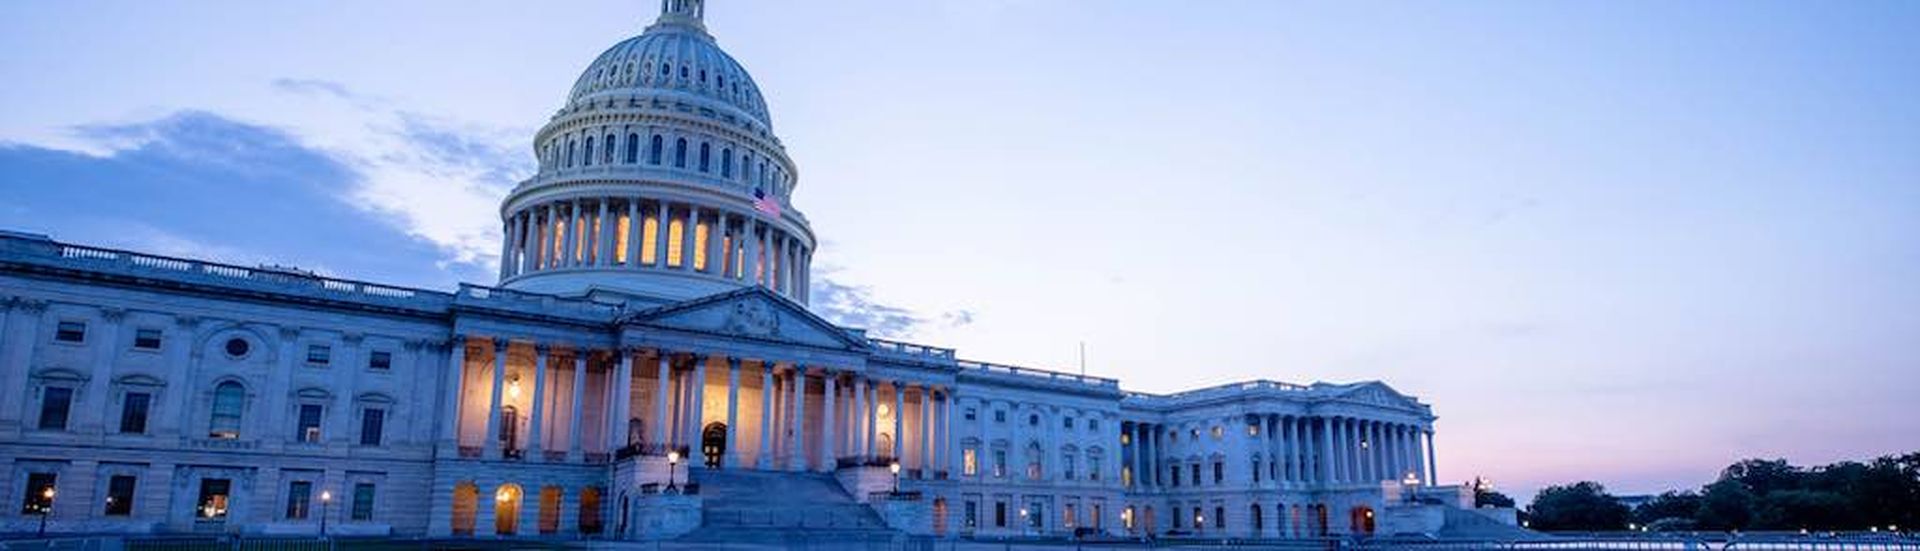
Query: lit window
x=1126, y=439
x=214, y=493
x=649, y=234
x=623, y=224
x=700, y=246
x=674, y=230
x=36, y=501
x=969, y=463
x=308, y=429
x=120, y=495
x=1217, y=432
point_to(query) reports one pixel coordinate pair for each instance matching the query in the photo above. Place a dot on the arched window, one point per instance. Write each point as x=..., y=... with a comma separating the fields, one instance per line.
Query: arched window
x=666, y=69
x=680, y=153
x=570, y=147
x=720, y=81
x=653, y=150
x=726, y=162
x=229, y=401
x=466, y=508
x=608, y=146
x=590, y=510
x=588, y=161
x=705, y=151
x=633, y=148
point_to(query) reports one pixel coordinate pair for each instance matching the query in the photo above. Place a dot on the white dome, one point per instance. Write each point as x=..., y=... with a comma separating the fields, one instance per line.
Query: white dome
x=674, y=56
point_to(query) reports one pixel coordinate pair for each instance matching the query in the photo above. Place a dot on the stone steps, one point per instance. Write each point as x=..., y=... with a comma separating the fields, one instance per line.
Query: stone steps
x=776, y=506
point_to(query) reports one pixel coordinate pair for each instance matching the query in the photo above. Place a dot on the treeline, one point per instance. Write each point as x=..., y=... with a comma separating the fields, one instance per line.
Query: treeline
x=1754, y=494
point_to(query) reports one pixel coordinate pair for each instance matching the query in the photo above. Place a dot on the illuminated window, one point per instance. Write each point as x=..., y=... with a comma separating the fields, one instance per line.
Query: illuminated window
x=1126, y=476
x=1126, y=439
x=580, y=242
x=649, y=234
x=969, y=462
x=228, y=400
x=1218, y=432
x=620, y=241
x=559, y=241
x=700, y=245
x=675, y=229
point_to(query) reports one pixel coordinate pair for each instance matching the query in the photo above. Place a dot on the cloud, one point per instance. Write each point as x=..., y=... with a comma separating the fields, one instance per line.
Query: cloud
x=202, y=185
x=853, y=306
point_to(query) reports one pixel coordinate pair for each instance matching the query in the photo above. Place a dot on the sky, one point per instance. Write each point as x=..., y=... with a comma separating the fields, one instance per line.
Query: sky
x=1629, y=242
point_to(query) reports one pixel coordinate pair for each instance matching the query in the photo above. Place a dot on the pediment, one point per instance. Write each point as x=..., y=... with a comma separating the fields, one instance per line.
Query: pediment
x=750, y=313
x=1379, y=394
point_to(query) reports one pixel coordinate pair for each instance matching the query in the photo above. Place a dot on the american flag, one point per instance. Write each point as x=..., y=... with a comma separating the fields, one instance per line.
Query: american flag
x=765, y=204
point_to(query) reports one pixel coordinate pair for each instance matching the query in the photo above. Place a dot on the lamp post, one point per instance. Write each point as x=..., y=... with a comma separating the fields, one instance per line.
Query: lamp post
x=46, y=510
x=326, y=499
x=895, y=469
x=673, y=459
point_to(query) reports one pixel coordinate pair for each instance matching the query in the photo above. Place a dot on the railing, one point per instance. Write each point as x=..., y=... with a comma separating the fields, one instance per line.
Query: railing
x=910, y=349
x=864, y=461
x=1039, y=373
x=274, y=276
x=1231, y=389
x=650, y=449
x=811, y=518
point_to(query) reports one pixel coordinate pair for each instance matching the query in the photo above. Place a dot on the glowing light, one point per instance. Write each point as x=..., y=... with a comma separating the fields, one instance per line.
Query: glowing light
x=326, y=496
x=513, y=388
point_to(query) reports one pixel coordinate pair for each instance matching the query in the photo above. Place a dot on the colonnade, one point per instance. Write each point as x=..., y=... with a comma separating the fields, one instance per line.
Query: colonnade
x=852, y=416
x=1302, y=450
x=641, y=233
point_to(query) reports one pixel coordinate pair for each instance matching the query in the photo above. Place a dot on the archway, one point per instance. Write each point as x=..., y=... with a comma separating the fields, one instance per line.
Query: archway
x=713, y=443
x=466, y=508
x=506, y=510
x=1319, y=513
x=1362, y=520
x=940, y=516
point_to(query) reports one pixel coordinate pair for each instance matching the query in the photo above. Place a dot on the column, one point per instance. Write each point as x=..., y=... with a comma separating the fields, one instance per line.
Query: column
x=1290, y=425
x=660, y=234
x=926, y=432
x=450, y=398
x=579, y=388
x=871, y=413
x=716, y=236
x=549, y=240
x=661, y=397
x=798, y=420
x=765, y=459
x=697, y=409
x=688, y=229
x=830, y=452
x=492, y=443
x=1323, y=463
x=1433, y=467
x=506, y=248
x=632, y=231
x=731, y=457
x=534, y=443
x=899, y=415
x=749, y=267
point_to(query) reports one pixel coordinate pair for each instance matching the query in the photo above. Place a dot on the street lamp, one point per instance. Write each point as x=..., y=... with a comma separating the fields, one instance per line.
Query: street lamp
x=895, y=469
x=46, y=509
x=673, y=459
x=326, y=498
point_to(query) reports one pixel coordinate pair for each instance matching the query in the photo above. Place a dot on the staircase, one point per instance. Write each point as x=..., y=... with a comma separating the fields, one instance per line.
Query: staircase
x=773, y=507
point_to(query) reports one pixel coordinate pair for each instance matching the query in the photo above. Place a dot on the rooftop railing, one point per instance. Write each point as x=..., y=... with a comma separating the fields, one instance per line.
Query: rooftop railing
x=1057, y=376
x=911, y=350
x=115, y=260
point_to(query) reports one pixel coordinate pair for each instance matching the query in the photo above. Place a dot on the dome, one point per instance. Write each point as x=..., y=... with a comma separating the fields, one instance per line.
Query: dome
x=673, y=57
x=659, y=180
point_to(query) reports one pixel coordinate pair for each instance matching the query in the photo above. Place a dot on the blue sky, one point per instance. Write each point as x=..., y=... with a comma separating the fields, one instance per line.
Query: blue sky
x=1622, y=241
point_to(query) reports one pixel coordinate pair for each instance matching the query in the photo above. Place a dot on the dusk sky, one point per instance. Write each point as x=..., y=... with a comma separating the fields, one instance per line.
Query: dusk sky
x=1630, y=242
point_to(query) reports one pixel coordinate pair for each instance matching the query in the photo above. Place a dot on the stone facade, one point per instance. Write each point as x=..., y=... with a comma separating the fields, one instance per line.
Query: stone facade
x=651, y=303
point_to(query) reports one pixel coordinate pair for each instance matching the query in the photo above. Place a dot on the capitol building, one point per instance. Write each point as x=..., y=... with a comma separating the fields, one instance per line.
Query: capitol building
x=645, y=368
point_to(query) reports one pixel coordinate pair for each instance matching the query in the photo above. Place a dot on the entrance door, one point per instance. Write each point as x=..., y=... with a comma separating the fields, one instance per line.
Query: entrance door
x=713, y=443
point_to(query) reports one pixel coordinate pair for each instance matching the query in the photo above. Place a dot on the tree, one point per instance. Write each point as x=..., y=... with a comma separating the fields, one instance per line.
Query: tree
x=1485, y=496
x=1762, y=477
x=1725, y=505
x=1669, y=505
x=1796, y=509
x=1580, y=506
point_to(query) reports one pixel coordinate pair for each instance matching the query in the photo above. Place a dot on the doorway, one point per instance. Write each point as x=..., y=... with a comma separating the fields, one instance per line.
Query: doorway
x=713, y=443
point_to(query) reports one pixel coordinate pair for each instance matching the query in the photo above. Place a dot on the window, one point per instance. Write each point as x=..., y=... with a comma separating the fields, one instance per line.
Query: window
x=726, y=163
x=1196, y=473
x=570, y=148
x=362, y=501
x=999, y=416
x=1218, y=432
x=633, y=148
x=380, y=359
x=1256, y=471
x=1069, y=422
x=319, y=354
x=228, y=400
x=1093, y=425
x=999, y=463
x=133, y=412
x=120, y=495
x=1066, y=466
x=1067, y=519
x=587, y=158
x=1093, y=468
x=1219, y=472
x=1176, y=475
x=971, y=414
x=706, y=153
x=653, y=151
x=55, y=403
x=971, y=512
x=1253, y=429
x=214, y=493
x=1033, y=420
x=299, y=498
x=70, y=331
x=238, y=347
x=36, y=501
x=680, y=153
x=1000, y=514
x=372, y=420
x=1126, y=439
x=1219, y=517
x=969, y=463
x=309, y=428
x=146, y=339
x=607, y=148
